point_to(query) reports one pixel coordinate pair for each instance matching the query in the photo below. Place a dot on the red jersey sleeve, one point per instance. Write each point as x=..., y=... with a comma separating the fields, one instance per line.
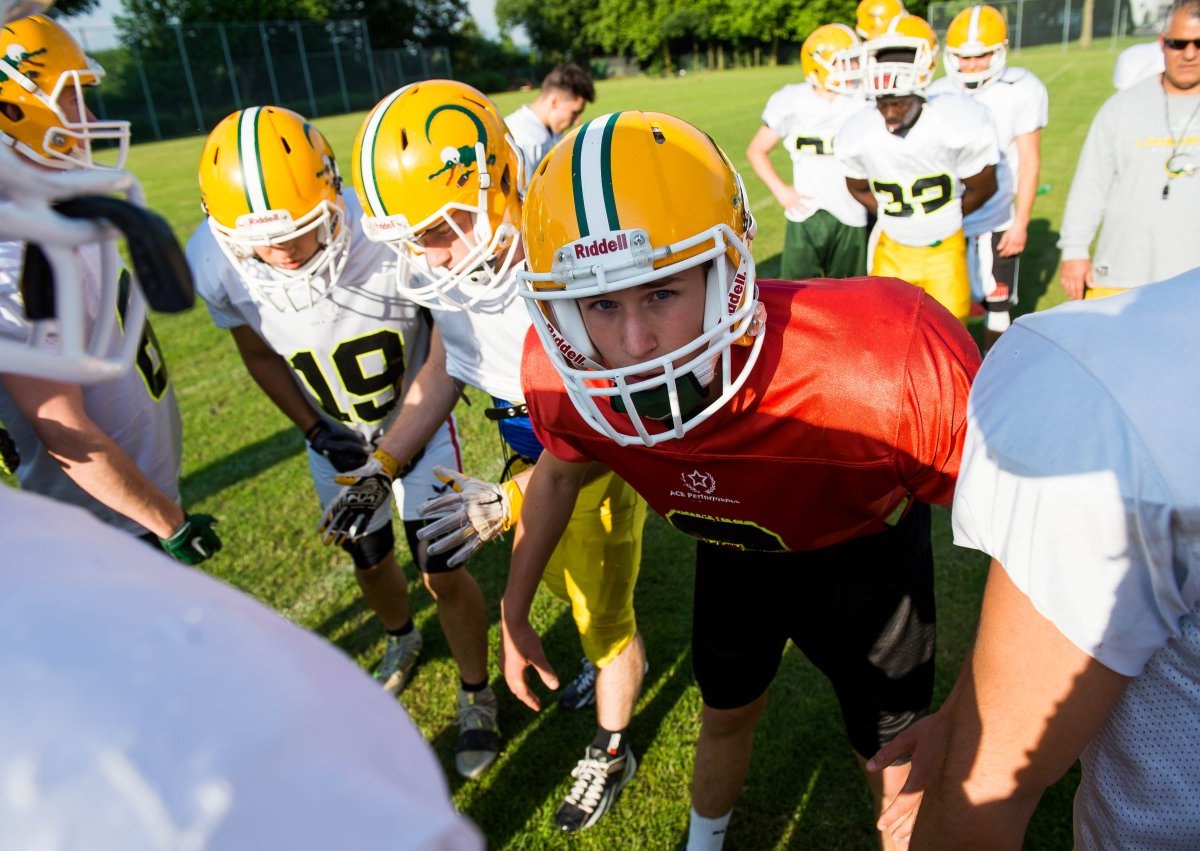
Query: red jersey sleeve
x=942, y=362
x=548, y=403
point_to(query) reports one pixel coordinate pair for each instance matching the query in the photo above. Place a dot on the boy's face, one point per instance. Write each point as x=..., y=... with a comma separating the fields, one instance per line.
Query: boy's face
x=899, y=112
x=444, y=248
x=640, y=324
x=291, y=255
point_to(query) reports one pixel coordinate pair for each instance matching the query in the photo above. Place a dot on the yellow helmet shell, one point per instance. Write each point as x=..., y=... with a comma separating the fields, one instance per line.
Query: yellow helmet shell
x=827, y=57
x=268, y=176
x=884, y=75
x=42, y=69
x=977, y=31
x=425, y=151
x=874, y=16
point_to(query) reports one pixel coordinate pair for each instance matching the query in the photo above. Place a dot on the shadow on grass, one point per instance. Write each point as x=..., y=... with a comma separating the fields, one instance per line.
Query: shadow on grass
x=1039, y=263
x=241, y=464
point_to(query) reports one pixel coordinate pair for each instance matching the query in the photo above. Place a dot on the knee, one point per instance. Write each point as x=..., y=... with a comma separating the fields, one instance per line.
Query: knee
x=732, y=722
x=445, y=586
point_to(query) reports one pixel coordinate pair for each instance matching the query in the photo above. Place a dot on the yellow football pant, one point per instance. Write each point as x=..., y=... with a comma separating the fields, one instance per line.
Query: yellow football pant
x=1101, y=292
x=595, y=566
x=940, y=270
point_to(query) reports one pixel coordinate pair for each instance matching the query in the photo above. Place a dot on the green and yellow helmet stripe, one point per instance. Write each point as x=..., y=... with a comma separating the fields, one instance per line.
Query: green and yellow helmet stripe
x=592, y=181
x=250, y=157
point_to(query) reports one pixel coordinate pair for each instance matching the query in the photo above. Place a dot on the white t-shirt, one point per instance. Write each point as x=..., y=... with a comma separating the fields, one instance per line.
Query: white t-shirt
x=151, y=706
x=1081, y=476
x=137, y=410
x=917, y=178
x=808, y=123
x=351, y=349
x=1136, y=63
x=1019, y=104
x=484, y=344
x=534, y=139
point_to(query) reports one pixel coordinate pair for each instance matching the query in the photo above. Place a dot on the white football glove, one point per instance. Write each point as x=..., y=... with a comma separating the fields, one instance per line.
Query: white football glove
x=475, y=513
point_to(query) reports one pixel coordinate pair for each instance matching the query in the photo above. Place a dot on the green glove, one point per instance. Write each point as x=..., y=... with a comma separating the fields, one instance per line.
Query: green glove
x=194, y=541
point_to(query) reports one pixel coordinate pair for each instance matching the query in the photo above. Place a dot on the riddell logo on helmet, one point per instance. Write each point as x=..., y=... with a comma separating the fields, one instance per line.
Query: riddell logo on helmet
x=735, y=294
x=565, y=348
x=264, y=219
x=601, y=246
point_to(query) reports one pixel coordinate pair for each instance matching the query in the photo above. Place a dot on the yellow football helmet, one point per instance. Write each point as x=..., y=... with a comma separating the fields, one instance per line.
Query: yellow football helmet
x=902, y=60
x=829, y=58
x=43, y=112
x=268, y=176
x=627, y=199
x=424, y=152
x=874, y=16
x=977, y=31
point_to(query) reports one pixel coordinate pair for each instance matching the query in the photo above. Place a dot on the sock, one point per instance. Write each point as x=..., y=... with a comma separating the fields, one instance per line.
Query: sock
x=472, y=687
x=707, y=834
x=611, y=742
x=402, y=631
x=998, y=320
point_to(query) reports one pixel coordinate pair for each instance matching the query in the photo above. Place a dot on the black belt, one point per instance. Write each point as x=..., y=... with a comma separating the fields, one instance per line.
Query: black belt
x=507, y=412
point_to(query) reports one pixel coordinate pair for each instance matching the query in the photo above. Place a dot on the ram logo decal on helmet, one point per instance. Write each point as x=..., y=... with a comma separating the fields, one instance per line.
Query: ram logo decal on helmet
x=463, y=155
x=16, y=56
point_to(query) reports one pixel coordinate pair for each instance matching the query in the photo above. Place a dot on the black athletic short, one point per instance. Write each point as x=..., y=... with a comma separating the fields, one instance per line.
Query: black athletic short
x=861, y=611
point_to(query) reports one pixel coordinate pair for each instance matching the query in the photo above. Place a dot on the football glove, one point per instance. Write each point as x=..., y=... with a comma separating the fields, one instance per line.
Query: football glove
x=194, y=541
x=345, y=449
x=10, y=458
x=472, y=515
x=364, y=491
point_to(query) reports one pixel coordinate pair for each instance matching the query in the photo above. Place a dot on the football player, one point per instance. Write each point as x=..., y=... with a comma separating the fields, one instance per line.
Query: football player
x=826, y=233
x=536, y=127
x=312, y=306
x=875, y=16
x=920, y=163
x=439, y=176
x=975, y=60
x=112, y=447
x=701, y=387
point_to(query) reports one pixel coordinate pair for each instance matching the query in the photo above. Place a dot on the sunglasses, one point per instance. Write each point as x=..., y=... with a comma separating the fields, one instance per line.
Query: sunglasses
x=1181, y=43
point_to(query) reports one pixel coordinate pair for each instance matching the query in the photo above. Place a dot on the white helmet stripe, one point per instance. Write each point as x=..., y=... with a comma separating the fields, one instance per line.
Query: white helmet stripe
x=252, y=179
x=366, y=156
x=591, y=160
x=973, y=26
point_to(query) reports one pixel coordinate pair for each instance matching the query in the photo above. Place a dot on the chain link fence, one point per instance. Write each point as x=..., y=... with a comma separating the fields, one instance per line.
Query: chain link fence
x=195, y=75
x=1033, y=22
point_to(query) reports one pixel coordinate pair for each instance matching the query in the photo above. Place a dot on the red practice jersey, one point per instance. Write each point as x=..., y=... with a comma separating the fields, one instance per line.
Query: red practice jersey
x=857, y=403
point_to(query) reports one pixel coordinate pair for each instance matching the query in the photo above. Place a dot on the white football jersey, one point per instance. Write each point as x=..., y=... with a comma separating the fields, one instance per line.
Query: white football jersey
x=534, y=139
x=484, y=344
x=150, y=706
x=917, y=178
x=1136, y=63
x=351, y=350
x=1081, y=476
x=1019, y=104
x=138, y=410
x=808, y=124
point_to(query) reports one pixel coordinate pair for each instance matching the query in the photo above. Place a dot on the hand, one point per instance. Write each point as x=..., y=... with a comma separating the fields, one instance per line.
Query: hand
x=10, y=458
x=925, y=742
x=472, y=515
x=345, y=449
x=520, y=648
x=1013, y=241
x=194, y=541
x=364, y=492
x=1075, y=276
x=793, y=202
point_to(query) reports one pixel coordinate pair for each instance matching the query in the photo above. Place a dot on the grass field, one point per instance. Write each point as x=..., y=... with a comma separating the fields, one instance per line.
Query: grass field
x=244, y=464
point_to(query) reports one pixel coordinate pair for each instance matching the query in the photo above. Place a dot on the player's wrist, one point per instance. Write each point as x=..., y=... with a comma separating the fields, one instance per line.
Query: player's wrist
x=387, y=463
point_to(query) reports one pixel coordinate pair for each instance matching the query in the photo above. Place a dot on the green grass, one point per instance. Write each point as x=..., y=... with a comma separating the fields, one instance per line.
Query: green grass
x=244, y=463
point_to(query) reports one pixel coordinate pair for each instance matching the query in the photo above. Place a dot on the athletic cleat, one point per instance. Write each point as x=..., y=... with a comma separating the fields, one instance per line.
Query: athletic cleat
x=479, y=736
x=399, y=657
x=581, y=691
x=599, y=778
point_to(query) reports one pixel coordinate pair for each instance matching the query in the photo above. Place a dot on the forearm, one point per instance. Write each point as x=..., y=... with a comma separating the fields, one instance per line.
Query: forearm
x=862, y=193
x=1027, y=184
x=549, y=501
x=88, y=456
x=273, y=375
x=428, y=402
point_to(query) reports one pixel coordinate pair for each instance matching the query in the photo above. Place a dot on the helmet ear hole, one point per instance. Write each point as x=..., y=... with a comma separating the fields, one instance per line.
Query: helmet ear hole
x=505, y=182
